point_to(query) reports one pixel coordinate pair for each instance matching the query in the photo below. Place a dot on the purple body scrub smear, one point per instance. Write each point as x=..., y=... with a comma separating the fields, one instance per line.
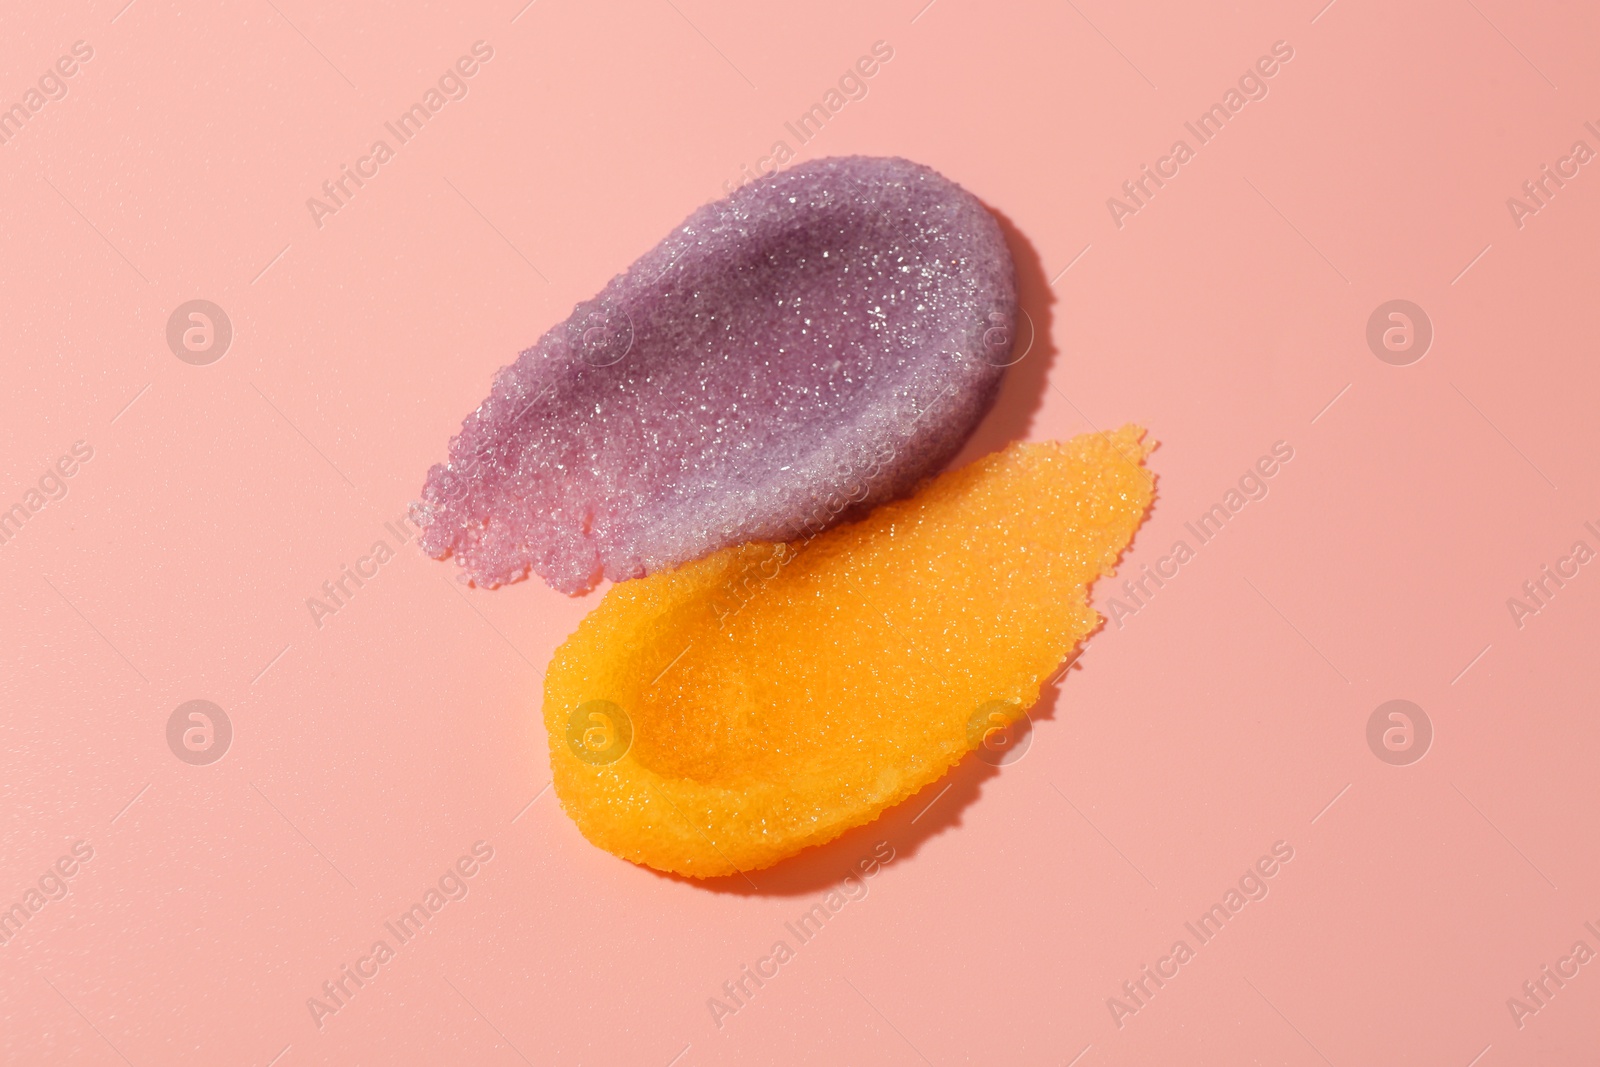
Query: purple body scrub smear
x=813, y=345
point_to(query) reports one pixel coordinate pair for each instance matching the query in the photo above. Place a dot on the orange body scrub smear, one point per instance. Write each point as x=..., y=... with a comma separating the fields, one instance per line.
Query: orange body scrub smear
x=727, y=714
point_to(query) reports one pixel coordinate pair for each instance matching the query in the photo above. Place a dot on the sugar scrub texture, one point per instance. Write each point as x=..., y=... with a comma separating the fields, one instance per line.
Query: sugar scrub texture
x=858, y=669
x=811, y=346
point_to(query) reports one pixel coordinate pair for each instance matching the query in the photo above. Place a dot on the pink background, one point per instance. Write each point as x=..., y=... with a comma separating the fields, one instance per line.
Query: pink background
x=1227, y=714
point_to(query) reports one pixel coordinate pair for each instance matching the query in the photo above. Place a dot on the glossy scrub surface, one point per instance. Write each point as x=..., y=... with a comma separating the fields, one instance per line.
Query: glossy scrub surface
x=726, y=714
x=813, y=345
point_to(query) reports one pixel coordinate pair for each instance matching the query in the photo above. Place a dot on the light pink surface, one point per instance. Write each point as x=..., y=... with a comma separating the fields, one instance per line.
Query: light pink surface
x=1227, y=714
